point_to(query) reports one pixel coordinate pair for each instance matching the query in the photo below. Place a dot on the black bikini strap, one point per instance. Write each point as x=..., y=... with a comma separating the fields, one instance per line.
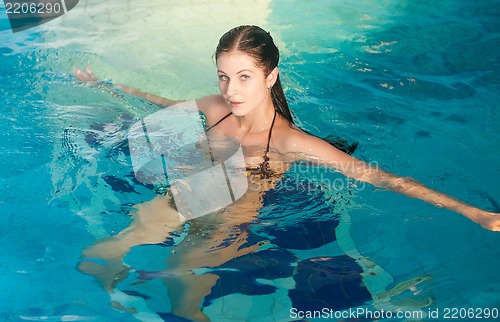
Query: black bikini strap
x=270, y=133
x=217, y=123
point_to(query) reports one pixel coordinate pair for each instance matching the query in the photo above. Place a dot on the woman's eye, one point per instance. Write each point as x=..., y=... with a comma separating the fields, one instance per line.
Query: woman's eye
x=223, y=78
x=245, y=77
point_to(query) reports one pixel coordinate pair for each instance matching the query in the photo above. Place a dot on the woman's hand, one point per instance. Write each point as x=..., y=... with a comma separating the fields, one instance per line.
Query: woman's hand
x=486, y=219
x=489, y=220
x=86, y=76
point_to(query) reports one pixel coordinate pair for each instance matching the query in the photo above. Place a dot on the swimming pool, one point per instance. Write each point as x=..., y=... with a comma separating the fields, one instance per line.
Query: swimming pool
x=415, y=83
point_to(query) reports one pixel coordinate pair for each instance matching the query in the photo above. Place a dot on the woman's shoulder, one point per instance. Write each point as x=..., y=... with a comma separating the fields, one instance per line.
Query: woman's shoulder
x=291, y=139
x=212, y=105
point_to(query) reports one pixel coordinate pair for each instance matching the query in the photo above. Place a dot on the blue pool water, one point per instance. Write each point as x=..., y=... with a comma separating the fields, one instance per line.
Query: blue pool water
x=416, y=83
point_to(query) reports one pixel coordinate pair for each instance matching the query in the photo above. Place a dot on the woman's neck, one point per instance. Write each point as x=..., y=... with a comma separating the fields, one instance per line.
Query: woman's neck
x=259, y=119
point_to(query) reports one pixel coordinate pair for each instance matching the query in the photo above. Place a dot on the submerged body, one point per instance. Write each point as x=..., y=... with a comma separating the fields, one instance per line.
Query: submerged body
x=250, y=109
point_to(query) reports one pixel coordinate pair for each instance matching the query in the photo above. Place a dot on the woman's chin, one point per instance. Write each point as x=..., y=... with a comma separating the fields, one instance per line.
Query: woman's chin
x=238, y=111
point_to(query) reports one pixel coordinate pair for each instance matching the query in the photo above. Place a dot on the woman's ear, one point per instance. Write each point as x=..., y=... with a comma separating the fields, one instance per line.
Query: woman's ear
x=272, y=77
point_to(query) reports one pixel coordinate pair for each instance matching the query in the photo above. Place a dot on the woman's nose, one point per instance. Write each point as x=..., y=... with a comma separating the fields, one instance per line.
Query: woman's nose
x=231, y=88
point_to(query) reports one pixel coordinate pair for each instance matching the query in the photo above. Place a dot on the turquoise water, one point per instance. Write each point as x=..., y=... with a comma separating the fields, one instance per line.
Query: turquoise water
x=415, y=83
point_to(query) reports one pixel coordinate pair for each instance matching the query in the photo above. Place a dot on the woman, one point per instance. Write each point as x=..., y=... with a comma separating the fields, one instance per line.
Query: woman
x=252, y=109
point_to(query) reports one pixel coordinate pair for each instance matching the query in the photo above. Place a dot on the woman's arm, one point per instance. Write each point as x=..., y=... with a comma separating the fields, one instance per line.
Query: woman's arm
x=362, y=171
x=88, y=77
x=211, y=105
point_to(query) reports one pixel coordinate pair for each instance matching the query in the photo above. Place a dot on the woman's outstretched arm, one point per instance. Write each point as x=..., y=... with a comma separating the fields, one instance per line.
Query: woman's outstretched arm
x=87, y=76
x=362, y=171
x=212, y=105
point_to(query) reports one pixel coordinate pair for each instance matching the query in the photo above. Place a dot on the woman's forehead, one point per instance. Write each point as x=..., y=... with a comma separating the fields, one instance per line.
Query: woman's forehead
x=236, y=61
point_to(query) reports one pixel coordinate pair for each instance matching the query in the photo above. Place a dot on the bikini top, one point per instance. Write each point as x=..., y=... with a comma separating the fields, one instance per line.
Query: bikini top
x=263, y=169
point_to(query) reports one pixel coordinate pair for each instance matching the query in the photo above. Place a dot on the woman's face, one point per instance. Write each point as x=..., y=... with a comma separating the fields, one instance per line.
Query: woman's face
x=243, y=85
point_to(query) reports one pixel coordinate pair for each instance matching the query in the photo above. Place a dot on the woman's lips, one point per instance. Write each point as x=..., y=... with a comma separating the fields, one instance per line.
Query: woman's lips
x=235, y=104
